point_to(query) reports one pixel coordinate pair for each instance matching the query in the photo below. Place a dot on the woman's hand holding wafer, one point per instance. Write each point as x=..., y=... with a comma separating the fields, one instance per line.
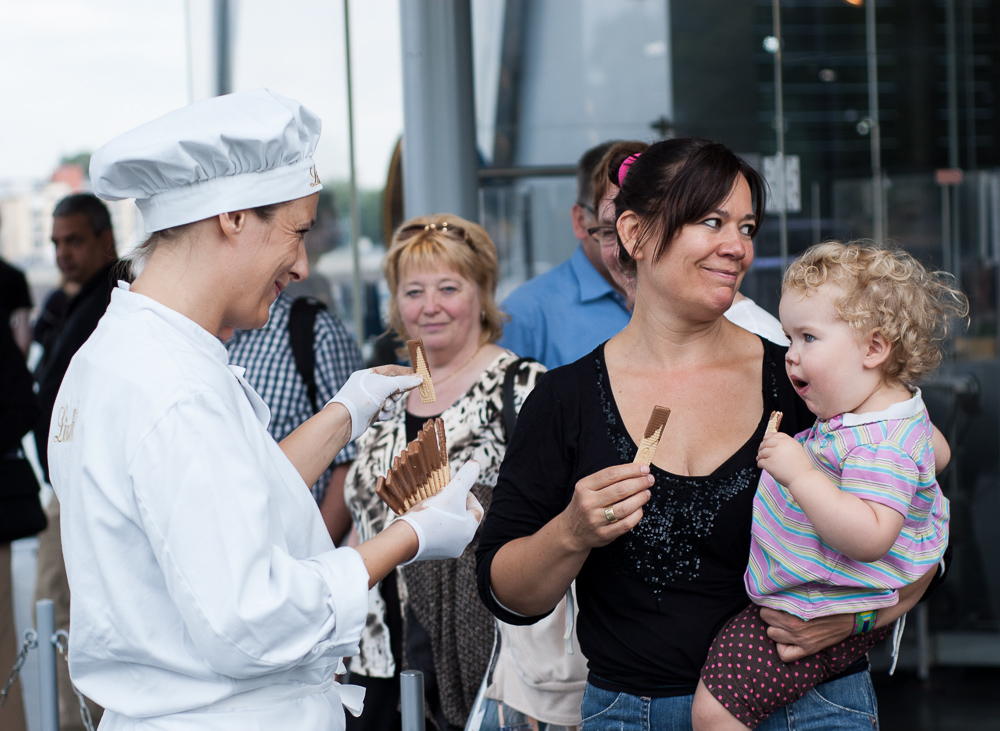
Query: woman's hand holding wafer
x=607, y=504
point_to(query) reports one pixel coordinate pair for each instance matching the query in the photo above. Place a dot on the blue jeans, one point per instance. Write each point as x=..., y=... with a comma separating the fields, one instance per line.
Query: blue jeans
x=847, y=704
x=491, y=719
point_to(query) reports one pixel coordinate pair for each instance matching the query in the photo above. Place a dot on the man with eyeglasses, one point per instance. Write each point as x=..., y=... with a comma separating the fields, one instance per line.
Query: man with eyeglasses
x=560, y=316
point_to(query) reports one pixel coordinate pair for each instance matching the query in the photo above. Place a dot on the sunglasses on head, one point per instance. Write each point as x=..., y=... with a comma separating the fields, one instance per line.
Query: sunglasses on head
x=408, y=232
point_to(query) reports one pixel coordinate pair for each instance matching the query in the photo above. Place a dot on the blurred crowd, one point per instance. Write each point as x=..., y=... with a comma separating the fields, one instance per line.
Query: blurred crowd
x=664, y=238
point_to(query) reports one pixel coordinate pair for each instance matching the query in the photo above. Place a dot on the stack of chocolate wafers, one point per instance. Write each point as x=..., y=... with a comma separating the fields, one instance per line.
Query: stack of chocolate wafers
x=419, y=472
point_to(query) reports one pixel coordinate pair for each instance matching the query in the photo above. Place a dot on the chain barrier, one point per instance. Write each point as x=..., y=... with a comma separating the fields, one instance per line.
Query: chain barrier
x=61, y=640
x=30, y=643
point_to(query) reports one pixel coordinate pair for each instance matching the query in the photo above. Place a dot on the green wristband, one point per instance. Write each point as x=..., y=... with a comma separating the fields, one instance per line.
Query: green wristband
x=864, y=622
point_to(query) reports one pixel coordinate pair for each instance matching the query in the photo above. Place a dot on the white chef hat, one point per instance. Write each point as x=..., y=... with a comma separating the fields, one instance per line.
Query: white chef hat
x=226, y=153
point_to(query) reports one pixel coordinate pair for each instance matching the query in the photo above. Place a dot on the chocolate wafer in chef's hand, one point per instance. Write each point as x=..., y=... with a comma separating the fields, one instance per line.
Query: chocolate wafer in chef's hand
x=420, y=471
x=418, y=357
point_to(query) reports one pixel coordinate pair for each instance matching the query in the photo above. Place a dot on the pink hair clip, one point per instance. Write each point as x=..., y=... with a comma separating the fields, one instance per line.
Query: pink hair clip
x=626, y=164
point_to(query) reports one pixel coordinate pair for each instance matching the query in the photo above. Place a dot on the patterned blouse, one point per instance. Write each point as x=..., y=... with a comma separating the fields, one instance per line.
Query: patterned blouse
x=474, y=430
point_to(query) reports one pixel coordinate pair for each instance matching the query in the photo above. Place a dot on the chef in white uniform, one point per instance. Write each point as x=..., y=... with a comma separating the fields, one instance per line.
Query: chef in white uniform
x=206, y=590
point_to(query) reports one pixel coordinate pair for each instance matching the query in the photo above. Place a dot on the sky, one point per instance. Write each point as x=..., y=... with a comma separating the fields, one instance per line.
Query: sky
x=76, y=73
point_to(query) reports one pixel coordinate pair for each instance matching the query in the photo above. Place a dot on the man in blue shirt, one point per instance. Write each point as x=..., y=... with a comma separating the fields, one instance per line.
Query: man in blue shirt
x=560, y=316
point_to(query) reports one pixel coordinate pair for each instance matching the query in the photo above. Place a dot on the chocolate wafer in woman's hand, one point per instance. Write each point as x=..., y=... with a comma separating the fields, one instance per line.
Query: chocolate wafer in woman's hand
x=651, y=437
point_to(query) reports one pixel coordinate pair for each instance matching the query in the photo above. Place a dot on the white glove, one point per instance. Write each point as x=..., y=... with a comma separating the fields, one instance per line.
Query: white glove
x=368, y=396
x=445, y=523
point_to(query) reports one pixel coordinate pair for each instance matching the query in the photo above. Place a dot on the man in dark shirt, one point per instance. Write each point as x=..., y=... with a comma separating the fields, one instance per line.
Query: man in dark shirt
x=85, y=253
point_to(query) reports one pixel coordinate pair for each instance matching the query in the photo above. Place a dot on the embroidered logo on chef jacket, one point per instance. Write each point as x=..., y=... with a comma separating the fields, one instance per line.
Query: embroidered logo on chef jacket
x=315, y=182
x=66, y=425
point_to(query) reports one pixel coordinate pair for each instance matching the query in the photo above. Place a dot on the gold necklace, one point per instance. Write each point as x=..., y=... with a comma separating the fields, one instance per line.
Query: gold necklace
x=461, y=367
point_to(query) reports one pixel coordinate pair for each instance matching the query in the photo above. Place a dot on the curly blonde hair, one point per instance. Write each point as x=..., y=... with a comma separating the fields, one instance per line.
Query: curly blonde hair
x=439, y=245
x=884, y=289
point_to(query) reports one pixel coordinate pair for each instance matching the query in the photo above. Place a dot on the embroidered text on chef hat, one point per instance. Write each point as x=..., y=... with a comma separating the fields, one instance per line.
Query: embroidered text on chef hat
x=226, y=153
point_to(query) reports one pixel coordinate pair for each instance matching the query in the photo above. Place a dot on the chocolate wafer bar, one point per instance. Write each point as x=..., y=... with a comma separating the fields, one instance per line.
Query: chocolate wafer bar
x=651, y=437
x=418, y=357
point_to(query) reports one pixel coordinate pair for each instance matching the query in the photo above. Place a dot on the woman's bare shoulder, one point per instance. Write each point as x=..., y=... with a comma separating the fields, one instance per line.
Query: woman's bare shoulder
x=744, y=348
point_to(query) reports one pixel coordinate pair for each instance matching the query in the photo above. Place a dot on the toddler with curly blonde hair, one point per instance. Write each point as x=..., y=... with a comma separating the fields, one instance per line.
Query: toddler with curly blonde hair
x=848, y=511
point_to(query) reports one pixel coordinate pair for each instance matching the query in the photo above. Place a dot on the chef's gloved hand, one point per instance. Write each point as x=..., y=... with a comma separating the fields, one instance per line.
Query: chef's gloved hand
x=446, y=522
x=368, y=396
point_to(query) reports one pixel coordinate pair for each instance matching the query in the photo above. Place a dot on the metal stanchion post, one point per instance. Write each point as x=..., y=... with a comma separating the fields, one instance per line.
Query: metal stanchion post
x=46, y=620
x=411, y=689
x=924, y=650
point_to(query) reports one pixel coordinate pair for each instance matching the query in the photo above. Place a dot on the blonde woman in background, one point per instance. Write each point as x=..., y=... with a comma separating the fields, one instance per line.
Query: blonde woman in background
x=442, y=274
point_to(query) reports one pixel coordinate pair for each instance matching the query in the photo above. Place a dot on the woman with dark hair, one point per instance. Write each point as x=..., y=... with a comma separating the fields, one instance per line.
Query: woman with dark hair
x=744, y=311
x=658, y=552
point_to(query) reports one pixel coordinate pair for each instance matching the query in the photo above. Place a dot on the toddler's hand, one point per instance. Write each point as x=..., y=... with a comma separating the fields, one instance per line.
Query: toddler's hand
x=783, y=458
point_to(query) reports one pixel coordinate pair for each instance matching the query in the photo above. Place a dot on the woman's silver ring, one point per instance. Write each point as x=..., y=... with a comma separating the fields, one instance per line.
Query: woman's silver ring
x=609, y=513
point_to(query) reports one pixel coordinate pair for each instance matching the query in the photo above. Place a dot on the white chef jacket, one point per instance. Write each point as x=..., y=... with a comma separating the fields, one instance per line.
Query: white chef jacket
x=203, y=578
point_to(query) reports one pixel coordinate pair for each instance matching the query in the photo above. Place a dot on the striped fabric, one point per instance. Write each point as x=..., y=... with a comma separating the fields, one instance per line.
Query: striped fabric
x=267, y=356
x=884, y=457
